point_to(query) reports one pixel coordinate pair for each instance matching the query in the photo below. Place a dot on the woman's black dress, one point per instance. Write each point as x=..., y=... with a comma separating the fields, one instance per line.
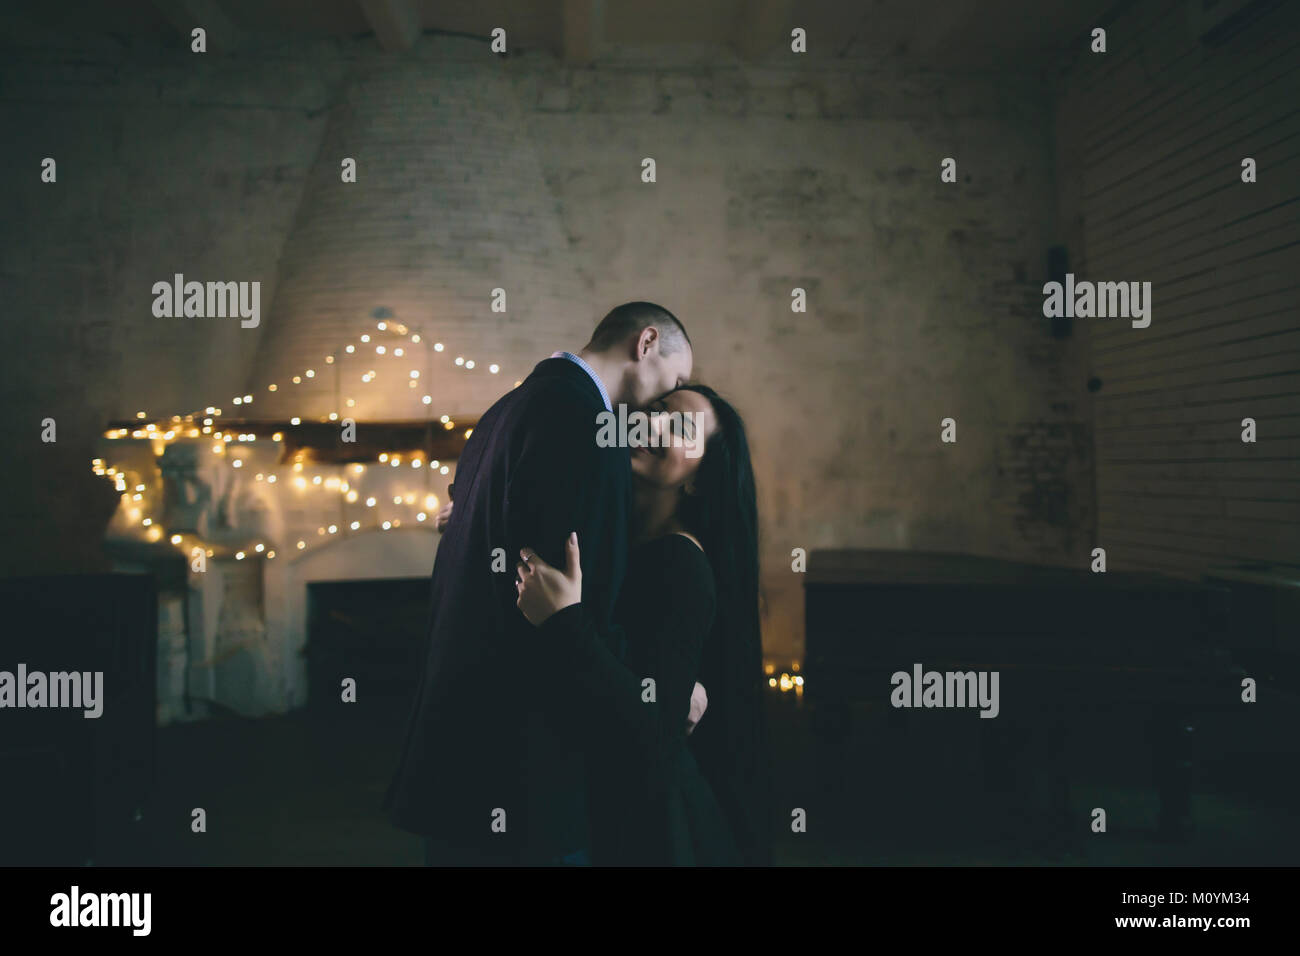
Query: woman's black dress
x=649, y=804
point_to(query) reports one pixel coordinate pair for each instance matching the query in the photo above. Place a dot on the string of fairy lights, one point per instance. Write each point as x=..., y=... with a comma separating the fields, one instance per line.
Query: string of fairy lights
x=192, y=426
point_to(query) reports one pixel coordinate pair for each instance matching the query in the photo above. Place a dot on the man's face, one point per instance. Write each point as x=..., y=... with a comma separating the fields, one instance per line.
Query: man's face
x=657, y=374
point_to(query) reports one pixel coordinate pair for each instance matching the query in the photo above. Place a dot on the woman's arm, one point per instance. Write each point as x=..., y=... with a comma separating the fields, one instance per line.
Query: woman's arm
x=645, y=702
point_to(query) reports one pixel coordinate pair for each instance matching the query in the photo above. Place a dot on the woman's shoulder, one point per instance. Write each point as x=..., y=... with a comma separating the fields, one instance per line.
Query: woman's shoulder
x=682, y=562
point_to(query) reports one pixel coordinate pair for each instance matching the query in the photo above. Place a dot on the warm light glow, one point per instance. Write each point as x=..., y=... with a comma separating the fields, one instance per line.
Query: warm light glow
x=355, y=525
x=460, y=360
x=443, y=470
x=239, y=556
x=415, y=373
x=365, y=338
x=295, y=421
x=468, y=432
x=494, y=369
x=176, y=539
x=351, y=496
x=297, y=380
x=469, y=364
x=427, y=399
x=437, y=346
x=259, y=548
x=431, y=502
x=311, y=373
x=370, y=502
x=271, y=388
x=420, y=517
x=300, y=482
x=444, y=419
x=334, y=529
x=301, y=545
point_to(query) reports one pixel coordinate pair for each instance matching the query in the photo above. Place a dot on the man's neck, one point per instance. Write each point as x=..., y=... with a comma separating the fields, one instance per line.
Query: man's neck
x=605, y=370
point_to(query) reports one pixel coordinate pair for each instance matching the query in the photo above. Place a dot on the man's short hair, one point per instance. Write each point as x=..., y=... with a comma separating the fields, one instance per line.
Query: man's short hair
x=633, y=317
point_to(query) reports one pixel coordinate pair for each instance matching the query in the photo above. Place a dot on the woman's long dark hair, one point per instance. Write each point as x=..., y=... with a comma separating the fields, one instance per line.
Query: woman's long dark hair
x=730, y=743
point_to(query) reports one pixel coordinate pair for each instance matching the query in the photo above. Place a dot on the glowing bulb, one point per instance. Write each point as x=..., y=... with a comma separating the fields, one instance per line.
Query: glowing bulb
x=355, y=525
x=428, y=399
x=370, y=502
x=365, y=338
x=334, y=529
x=437, y=346
x=301, y=545
x=351, y=496
x=311, y=373
x=415, y=338
x=259, y=548
x=469, y=364
x=443, y=470
x=271, y=388
x=444, y=419
x=176, y=539
x=415, y=373
x=494, y=369
x=295, y=421
x=297, y=380
x=460, y=360
x=350, y=349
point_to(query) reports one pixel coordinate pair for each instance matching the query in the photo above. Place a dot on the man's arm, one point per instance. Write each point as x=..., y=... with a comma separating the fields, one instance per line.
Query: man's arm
x=559, y=482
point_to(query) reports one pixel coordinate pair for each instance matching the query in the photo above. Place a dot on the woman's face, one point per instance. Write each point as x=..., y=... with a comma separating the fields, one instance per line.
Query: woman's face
x=681, y=423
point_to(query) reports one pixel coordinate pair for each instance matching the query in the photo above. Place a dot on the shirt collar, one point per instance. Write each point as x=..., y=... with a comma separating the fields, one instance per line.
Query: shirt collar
x=604, y=395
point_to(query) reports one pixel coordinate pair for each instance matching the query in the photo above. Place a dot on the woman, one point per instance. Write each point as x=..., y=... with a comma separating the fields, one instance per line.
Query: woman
x=689, y=611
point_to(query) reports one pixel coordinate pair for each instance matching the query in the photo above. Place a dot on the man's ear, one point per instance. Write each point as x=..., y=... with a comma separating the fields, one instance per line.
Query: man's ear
x=647, y=341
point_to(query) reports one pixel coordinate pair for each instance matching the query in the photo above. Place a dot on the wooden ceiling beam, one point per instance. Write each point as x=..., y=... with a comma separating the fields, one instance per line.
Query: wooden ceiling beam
x=396, y=23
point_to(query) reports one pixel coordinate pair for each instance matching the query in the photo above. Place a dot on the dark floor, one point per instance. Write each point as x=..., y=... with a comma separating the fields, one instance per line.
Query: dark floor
x=305, y=789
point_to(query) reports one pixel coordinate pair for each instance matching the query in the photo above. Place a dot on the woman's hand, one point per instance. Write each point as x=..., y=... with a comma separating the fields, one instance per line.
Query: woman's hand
x=542, y=589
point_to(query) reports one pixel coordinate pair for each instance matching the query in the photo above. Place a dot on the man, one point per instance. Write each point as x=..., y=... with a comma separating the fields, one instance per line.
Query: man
x=494, y=765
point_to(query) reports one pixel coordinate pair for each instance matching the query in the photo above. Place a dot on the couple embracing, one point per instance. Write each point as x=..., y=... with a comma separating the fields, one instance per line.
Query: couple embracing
x=598, y=701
